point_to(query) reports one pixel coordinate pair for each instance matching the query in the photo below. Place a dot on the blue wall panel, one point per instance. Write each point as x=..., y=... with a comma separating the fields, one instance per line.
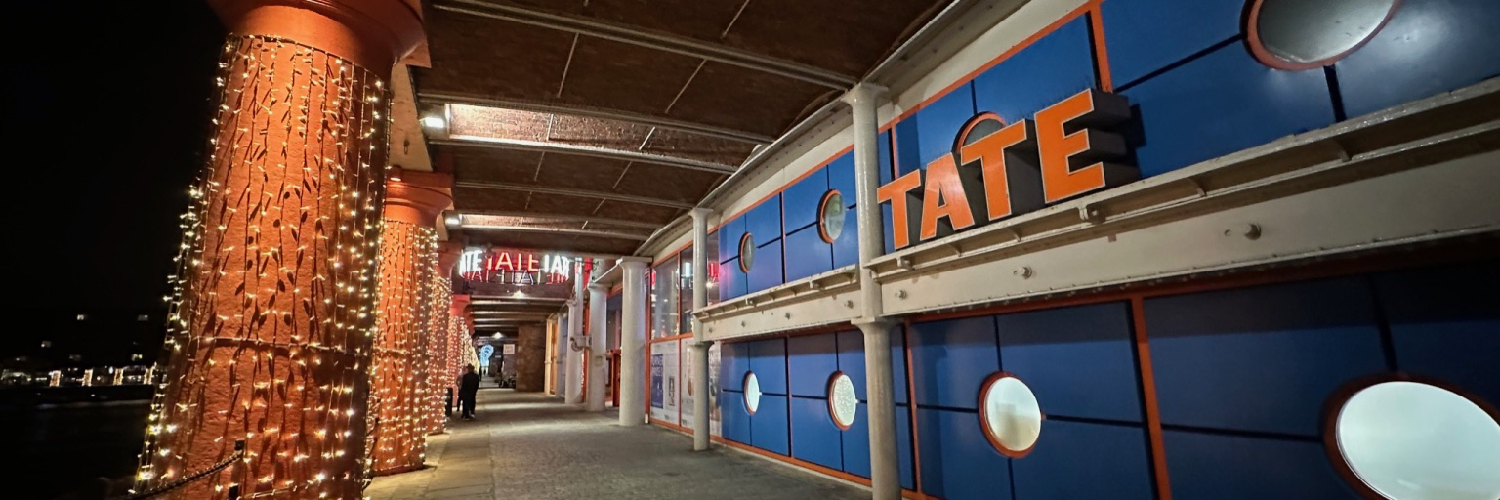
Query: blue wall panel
x=729, y=238
x=736, y=422
x=811, y=360
x=886, y=156
x=852, y=362
x=764, y=221
x=814, y=437
x=856, y=442
x=766, y=272
x=1221, y=103
x=905, y=464
x=1134, y=32
x=768, y=361
x=928, y=133
x=857, y=446
x=1428, y=47
x=807, y=254
x=801, y=200
x=1053, y=68
x=958, y=462
x=732, y=280
x=950, y=360
x=1082, y=460
x=846, y=246
x=1264, y=358
x=768, y=426
x=1240, y=468
x=1079, y=361
x=841, y=174
x=732, y=366
x=1445, y=323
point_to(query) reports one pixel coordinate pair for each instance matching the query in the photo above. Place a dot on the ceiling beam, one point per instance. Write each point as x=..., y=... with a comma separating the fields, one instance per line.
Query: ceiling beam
x=665, y=42
x=603, y=114
x=588, y=193
x=598, y=233
x=594, y=151
x=563, y=218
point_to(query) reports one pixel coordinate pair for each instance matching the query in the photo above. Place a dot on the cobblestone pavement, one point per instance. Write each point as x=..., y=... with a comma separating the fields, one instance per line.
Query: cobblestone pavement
x=529, y=446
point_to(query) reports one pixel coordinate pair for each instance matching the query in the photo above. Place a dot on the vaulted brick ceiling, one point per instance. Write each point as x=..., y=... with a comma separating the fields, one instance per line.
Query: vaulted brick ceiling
x=583, y=125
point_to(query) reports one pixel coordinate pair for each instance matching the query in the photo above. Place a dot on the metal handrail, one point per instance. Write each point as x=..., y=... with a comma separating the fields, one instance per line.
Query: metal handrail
x=234, y=489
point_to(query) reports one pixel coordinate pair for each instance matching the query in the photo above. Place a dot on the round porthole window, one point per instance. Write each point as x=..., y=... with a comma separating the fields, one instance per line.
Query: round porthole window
x=752, y=392
x=747, y=252
x=1303, y=34
x=842, y=403
x=831, y=214
x=1410, y=440
x=1009, y=414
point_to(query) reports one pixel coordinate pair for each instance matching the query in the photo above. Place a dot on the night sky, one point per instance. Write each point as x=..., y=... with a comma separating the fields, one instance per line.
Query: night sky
x=106, y=106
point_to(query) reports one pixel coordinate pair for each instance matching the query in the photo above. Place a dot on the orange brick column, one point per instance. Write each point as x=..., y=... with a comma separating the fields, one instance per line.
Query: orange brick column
x=439, y=337
x=408, y=265
x=273, y=304
x=459, y=327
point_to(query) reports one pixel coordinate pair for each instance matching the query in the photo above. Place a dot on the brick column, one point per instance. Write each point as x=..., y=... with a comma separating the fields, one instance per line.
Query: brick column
x=273, y=305
x=399, y=373
x=439, y=337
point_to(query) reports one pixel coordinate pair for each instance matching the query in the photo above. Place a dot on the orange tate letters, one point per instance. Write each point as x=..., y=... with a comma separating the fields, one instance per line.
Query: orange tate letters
x=1055, y=146
x=895, y=192
x=944, y=197
x=990, y=152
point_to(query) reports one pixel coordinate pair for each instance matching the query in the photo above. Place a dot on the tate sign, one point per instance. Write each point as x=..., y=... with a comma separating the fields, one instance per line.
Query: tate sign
x=998, y=170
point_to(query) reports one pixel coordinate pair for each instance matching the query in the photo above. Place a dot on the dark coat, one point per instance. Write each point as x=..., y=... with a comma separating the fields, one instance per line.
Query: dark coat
x=468, y=385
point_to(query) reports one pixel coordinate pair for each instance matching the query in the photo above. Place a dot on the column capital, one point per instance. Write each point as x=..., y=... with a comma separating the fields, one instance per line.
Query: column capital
x=459, y=306
x=417, y=197
x=448, y=253
x=869, y=325
x=371, y=33
x=863, y=92
x=701, y=214
x=634, y=263
x=599, y=288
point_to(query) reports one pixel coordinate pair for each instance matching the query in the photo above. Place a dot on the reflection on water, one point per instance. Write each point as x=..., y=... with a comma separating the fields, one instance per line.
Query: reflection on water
x=63, y=449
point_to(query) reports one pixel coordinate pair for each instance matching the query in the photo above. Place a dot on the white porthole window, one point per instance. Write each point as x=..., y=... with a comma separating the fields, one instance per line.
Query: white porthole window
x=1009, y=414
x=752, y=393
x=843, y=405
x=831, y=213
x=1409, y=440
x=1305, y=34
x=747, y=252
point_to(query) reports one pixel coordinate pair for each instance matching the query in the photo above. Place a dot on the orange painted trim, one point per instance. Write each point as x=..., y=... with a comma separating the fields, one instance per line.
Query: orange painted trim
x=1101, y=56
x=669, y=425
x=1261, y=53
x=1158, y=448
x=1070, y=16
x=1334, y=406
x=783, y=187
x=984, y=416
x=911, y=409
x=905, y=493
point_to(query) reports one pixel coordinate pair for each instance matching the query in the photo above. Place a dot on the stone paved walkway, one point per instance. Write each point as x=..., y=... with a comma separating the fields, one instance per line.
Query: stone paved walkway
x=528, y=446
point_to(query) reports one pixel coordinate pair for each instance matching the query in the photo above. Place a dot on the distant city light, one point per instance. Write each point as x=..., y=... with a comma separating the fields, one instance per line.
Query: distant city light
x=82, y=317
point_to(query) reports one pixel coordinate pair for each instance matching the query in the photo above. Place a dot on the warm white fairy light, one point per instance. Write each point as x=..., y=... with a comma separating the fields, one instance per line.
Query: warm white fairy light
x=271, y=312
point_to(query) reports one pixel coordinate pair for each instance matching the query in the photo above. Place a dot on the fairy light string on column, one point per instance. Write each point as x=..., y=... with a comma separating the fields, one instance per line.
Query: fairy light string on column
x=273, y=305
x=408, y=259
x=439, y=358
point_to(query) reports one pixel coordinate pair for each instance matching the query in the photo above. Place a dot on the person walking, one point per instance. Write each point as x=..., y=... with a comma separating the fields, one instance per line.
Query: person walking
x=468, y=389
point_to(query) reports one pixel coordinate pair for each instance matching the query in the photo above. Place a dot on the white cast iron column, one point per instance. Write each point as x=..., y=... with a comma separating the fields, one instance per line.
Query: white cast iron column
x=700, y=346
x=633, y=342
x=598, y=330
x=885, y=481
